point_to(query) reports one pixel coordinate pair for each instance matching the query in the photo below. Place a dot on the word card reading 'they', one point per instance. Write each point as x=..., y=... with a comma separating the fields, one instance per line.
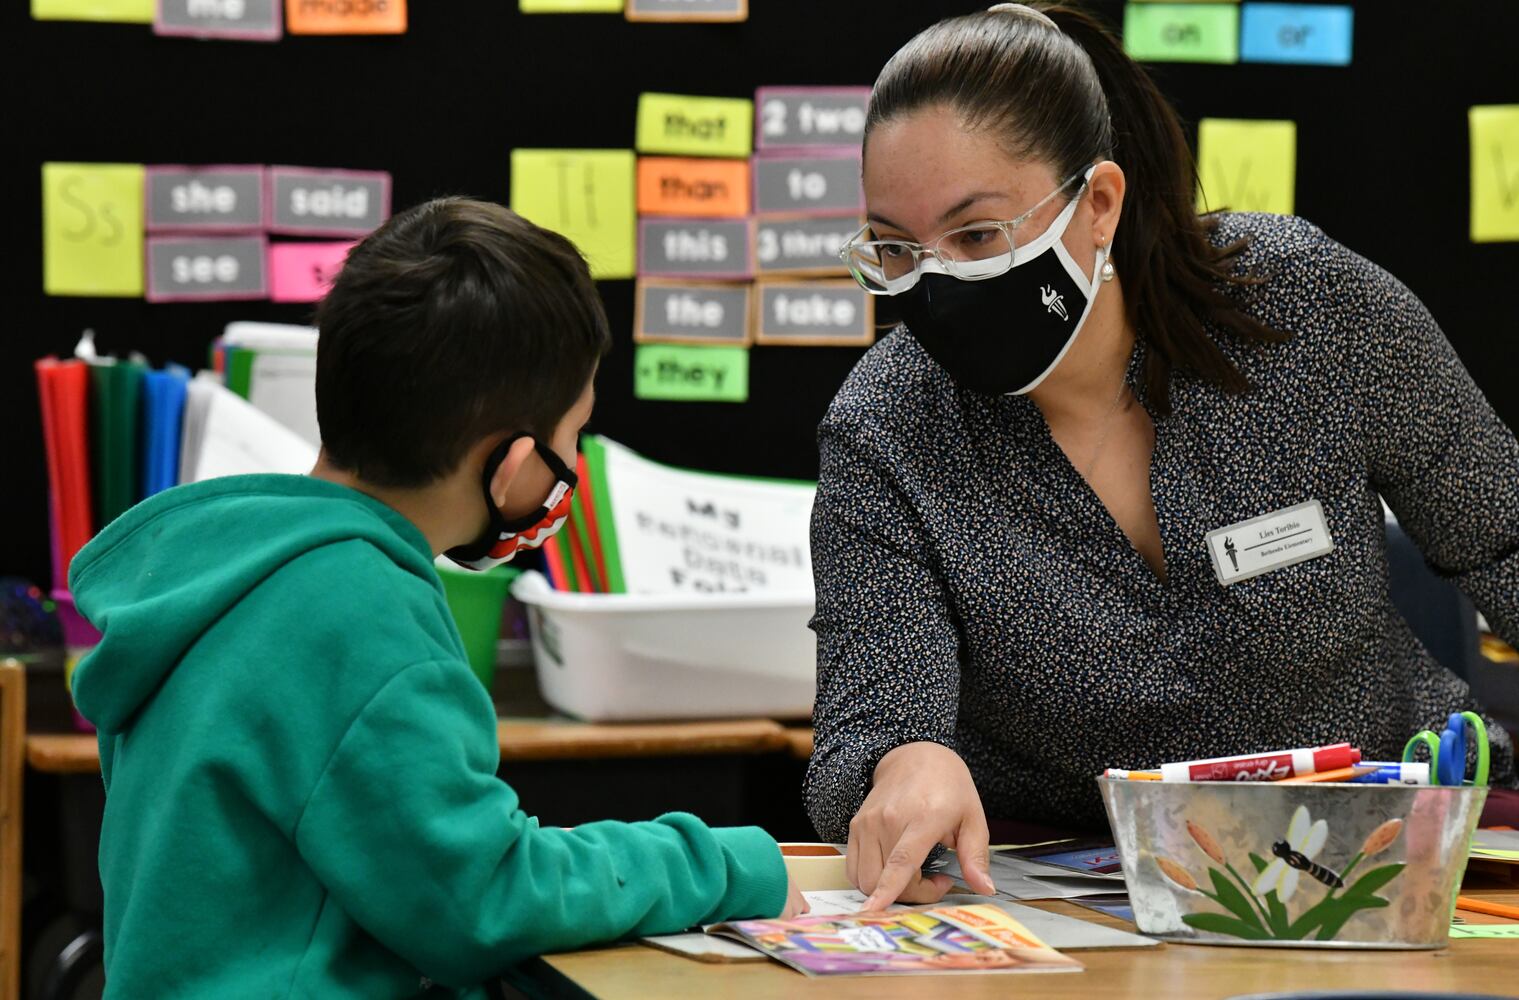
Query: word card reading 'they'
x=1182, y=32
x=250, y=20
x=92, y=228
x=206, y=268
x=691, y=187
x=810, y=185
x=1495, y=172
x=796, y=119
x=691, y=312
x=688, y=10
x=1246, y=166
x=345, y=17
x=683, y=374
x=1313, y=34
x=815, y=314
x=584, y=195
x=310, y=202
x=694, y=126
x=223, y=199
x=694, y=248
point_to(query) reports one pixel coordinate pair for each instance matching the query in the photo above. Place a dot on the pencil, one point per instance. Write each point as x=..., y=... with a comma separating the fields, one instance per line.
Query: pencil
x=1482, y=906
x=1338, y=774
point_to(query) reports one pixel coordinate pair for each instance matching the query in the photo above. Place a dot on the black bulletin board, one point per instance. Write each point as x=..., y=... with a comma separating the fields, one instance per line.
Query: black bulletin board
x=1382, y=166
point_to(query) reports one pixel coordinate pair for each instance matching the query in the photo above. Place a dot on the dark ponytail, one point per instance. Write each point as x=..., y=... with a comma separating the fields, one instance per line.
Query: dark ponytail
x=1067, y=95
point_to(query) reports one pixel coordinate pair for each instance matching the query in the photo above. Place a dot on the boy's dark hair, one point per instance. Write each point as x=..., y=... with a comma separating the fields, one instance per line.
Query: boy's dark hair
x=454, y=320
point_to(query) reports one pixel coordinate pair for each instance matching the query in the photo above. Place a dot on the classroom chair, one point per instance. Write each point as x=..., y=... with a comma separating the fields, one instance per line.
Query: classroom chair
x=12, y=775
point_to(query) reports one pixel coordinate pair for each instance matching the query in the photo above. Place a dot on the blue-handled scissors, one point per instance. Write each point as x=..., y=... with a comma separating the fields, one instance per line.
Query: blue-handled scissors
x=1447, y=751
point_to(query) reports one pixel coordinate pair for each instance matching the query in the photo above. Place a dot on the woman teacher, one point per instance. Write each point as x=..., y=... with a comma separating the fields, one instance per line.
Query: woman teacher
x=1113, y=494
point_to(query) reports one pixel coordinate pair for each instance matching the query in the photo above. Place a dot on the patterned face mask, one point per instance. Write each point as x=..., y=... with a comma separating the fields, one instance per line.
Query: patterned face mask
x=504, y=537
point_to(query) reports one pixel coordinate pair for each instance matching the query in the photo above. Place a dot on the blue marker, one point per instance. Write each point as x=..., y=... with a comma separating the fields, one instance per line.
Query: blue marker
x=1411, y=773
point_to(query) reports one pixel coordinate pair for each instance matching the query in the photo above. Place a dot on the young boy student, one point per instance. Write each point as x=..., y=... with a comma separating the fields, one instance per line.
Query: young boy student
x=300, y=768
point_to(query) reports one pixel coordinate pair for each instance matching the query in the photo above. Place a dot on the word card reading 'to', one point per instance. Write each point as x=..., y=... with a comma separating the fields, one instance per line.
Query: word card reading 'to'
x=694, y=248
x=807, y=118
x=345, y=17
x=206, y=268
x=802, y=244
x=808, y=185
x=687, y=10
x=223, y=199
x=814, y=314
x=252, y=20
x=691, y=312
x=307, y=202
x=712, y=188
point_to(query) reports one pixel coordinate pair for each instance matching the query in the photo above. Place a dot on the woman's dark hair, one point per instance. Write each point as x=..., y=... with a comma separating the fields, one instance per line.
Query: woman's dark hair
x=455, y=320
x=1054, y=86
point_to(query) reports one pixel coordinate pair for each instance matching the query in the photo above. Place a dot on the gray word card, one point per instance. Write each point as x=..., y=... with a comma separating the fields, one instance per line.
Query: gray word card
x=307, y=202
x=814, y=313
x=802, y=244
x=206, y=268
x=694, y=248
x=687, y=10
x=253, y=20
x=809, y=118
x=692, y=313
x=186, y=199
x=808, y=185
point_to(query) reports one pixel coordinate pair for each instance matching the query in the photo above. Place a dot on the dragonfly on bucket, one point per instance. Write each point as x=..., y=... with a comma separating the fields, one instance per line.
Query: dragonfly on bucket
x=1305, y=839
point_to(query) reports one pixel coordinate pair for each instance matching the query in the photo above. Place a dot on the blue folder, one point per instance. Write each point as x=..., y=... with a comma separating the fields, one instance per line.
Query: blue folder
x=163, y=407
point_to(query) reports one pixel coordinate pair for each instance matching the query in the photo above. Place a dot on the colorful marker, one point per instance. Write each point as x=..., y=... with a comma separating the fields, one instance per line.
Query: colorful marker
x=1264, y=766
x=1409, y=773
x=1118, y=772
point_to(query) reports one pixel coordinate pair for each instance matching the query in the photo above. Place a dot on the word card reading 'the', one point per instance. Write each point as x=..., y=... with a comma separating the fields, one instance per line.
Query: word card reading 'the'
x=692, y=312
x=1495, y=172
x=586, y=196
x=679, y=373
x=1246, y=166
x=92, y=228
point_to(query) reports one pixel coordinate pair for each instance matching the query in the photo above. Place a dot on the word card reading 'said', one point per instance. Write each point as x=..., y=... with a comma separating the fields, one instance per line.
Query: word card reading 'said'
x=802, y=244
x=691, y=187
x=248, y=20
x=310, y=202
x=221, y=199
x=694, y=248
x=1312, y=34
x=694, y=126
x=688, y=10
x=797, y=119
x=808, y=185
x=683, y=374
x=586, y=196
x=1495, y=172
x=206, y=268
x=1246, y=166
x=1182, y=32
x=345, y=17
x=92, y=229
x=815, y=314
x=691, y=312
x=303, y=272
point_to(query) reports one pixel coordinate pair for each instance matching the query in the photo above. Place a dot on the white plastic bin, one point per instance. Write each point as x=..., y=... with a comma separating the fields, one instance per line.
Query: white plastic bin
x=620, y=657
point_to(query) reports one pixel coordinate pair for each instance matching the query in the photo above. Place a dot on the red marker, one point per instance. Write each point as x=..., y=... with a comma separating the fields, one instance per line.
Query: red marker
x=1264, y=766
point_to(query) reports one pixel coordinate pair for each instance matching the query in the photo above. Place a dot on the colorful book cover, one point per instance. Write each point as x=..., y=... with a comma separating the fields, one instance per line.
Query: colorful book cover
x=926, y=941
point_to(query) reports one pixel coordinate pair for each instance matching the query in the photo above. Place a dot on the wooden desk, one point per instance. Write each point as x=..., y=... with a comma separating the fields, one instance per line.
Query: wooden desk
x=521, y=739
x=1175, y=972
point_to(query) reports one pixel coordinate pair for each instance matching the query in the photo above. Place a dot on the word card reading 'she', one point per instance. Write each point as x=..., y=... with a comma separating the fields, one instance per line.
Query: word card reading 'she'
x=694, y=248
x=687, y=10
x=814, y=314
x=345, y=17
x=249, y=20
x=1246, y=166
x=1182, y=32
x=1494, y=172
x=1315, y=34
x=691, y=312
x=694, y=126
x=808, y=185
x=798, y=119
x=206, y=268
x=685, y=374
x=311, y=202
x=303, y=272
x=802, y=244
x=219, y=199
x=687, y=188
x=92, y=229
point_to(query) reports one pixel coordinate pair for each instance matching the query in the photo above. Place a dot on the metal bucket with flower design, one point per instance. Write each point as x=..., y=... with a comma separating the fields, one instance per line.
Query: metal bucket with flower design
x=1293, y=865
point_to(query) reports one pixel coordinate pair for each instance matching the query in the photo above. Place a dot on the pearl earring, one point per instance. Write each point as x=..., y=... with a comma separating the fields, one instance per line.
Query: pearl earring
x=1108, y=271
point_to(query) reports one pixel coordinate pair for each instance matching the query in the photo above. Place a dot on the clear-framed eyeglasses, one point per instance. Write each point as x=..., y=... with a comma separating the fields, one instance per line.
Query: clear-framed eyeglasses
x=975, y=252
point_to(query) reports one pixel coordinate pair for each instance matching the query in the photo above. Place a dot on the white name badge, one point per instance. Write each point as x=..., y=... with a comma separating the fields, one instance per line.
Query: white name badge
x=1262, y=544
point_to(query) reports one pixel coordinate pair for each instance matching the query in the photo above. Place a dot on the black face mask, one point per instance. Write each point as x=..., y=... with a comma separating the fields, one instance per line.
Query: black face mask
x=1005, y=334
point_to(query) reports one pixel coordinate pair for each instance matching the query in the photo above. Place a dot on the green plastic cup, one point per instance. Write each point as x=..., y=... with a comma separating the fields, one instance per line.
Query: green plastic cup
x=476, y=600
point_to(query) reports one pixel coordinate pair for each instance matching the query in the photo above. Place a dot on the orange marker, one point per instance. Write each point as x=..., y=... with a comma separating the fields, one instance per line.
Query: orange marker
x=1338, y=774
x=692, y=187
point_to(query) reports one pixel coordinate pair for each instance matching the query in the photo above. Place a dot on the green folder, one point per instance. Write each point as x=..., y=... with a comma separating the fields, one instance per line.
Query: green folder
x=115, y=399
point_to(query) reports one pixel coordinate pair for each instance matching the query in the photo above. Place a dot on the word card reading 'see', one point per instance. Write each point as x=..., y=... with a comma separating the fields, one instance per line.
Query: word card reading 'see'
x=814, y=314
x=1313, y=34
x=345, y=17
x=220, y=199
x=693, y=188
x=206, y=268
x=691, y=312
x=695, y=126
x=311, y=202
x=1182, y=32
x=303, y=272
x=249, y=20
x=694, y=248
x=808, y=185
x=687, y=10
x=802, y=244
x=686, y=374
x=798, y=119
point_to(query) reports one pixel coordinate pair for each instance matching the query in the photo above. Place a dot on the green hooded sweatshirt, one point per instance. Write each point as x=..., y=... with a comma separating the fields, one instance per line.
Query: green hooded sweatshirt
x=300, y=769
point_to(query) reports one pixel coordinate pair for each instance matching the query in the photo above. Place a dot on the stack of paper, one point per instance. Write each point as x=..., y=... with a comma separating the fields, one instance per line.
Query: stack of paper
x=273, y=366
x=638, y=527
x=225, y=435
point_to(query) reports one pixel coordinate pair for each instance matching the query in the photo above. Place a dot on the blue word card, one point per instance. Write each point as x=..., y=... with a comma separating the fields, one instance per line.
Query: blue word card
x=1296, y=33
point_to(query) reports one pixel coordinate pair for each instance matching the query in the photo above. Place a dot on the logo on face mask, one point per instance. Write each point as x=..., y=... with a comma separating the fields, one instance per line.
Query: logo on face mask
x=1053, y=302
